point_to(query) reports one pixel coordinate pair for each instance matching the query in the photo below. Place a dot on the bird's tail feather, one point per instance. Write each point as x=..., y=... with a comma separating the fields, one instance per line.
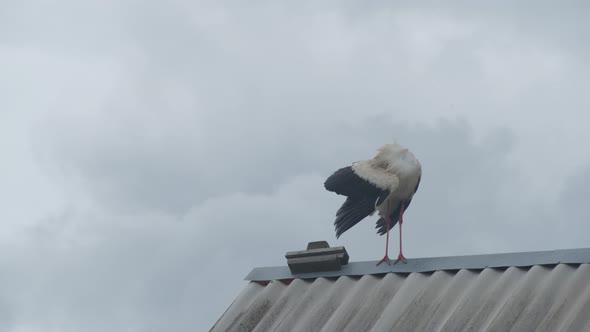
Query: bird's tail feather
x=394, y=218
x=382, y=225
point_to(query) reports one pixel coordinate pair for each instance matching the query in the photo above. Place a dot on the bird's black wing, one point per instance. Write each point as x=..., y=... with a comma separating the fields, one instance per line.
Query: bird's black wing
x=394, y=216
x=362, y=197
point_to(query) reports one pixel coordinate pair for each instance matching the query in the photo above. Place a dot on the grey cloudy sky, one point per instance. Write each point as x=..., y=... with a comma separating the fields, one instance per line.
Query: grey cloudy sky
x=154, y=153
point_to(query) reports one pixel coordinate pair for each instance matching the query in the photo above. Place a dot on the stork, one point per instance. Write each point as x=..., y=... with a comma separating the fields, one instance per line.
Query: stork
x=386, y=184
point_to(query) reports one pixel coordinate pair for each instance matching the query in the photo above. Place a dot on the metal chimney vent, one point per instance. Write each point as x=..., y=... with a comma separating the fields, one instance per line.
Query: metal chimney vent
x=317, y=257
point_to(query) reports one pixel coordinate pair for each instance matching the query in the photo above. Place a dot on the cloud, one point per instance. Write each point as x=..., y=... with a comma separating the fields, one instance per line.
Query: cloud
x=98, y=271
x=571, y=214
x=172, y=149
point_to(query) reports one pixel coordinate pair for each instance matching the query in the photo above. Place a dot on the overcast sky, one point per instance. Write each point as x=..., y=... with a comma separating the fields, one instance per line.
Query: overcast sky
x=153, y=154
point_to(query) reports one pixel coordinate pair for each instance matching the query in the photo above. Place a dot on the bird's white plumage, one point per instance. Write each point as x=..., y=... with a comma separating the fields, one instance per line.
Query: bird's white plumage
x=380, y=177
x=394, y=168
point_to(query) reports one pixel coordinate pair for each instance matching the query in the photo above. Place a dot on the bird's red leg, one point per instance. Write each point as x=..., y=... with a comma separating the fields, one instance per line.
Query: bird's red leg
x=386, y=258
x=401, y=257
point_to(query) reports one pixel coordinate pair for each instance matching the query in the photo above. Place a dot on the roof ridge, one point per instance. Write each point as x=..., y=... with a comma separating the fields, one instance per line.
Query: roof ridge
x=431, y=264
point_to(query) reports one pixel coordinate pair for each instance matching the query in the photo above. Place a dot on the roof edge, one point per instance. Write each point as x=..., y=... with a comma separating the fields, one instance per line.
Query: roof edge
x=431, y=264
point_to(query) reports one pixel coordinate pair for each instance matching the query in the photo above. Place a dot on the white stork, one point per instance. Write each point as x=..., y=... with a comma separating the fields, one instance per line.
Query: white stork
x=385, y=184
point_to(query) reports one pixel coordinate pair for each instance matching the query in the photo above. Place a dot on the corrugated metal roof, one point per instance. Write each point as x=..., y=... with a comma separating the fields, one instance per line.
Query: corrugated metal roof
x=526, y=298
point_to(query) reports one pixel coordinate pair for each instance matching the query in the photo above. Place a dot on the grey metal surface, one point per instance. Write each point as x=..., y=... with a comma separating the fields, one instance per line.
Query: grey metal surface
x=317, y=259
x=522, y=259
x=536, y=298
